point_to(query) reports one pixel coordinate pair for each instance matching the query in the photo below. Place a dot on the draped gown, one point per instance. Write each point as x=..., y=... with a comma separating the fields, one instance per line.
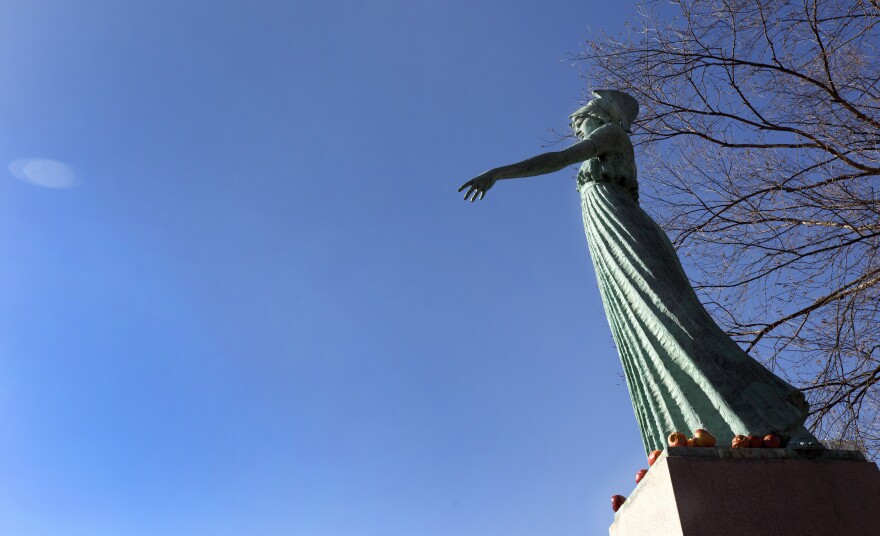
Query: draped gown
x=682, y=371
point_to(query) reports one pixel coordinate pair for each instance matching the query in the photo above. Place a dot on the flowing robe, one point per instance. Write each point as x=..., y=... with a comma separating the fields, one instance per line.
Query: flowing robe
x=682, y=371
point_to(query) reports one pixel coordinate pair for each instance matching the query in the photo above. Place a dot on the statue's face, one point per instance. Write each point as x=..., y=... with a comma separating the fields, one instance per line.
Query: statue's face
x=587, y=124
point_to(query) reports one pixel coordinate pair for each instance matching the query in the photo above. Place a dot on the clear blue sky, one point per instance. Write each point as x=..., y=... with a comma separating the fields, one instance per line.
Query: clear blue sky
x=241, y=295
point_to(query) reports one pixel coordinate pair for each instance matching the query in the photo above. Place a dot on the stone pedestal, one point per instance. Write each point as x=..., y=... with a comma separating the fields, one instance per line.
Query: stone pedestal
x=722, y=491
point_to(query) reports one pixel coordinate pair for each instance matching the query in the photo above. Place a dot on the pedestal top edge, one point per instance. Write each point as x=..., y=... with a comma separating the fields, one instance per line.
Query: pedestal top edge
x=764, y=453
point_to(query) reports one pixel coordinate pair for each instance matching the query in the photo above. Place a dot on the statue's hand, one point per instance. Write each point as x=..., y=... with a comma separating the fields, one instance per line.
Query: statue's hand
x=477, y=187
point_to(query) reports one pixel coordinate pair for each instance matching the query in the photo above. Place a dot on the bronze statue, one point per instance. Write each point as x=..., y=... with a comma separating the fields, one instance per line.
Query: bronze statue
x=683, y=372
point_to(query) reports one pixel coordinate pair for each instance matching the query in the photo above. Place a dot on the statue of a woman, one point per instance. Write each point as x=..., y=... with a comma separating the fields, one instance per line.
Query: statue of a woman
x=683, y=372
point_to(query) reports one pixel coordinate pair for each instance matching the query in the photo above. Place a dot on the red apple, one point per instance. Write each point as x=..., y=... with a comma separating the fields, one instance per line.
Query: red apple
x=702, y=438
x=653, y=457
x=617, y=501
x=740, y=442
x=690, y=442
x=772, y=441
x=677, y=439
x=755, y=442
x=640, y=475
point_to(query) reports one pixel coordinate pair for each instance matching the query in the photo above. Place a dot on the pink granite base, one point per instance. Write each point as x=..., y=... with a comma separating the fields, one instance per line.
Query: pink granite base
x=720, y=492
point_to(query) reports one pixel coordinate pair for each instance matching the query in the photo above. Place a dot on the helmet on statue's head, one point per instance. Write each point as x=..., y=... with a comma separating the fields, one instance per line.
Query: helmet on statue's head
x=610, y=106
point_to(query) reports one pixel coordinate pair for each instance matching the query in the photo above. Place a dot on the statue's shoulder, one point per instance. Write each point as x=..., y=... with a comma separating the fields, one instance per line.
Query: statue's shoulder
x=611, y=138
x=611, y=130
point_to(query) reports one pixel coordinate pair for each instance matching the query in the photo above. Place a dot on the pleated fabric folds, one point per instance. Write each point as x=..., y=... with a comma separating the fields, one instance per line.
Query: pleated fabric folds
x=682, y=371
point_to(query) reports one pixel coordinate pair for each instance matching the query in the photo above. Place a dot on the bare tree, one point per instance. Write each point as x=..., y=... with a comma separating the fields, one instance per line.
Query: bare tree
x=760, y=134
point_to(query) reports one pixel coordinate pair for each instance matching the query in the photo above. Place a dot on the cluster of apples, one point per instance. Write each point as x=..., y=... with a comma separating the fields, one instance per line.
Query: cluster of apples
x=701, y=438
x=769, y=441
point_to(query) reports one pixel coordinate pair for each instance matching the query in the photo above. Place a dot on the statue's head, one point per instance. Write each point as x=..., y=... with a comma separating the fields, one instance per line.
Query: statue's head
x=608, y=106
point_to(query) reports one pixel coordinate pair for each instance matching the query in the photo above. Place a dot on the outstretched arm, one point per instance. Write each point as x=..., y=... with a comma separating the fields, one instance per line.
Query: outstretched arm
x=537, y=165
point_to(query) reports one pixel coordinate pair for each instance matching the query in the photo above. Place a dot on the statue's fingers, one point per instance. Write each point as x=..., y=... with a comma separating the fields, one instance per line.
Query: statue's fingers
x=463, y=186
x=482, y=194
x=469, y=192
